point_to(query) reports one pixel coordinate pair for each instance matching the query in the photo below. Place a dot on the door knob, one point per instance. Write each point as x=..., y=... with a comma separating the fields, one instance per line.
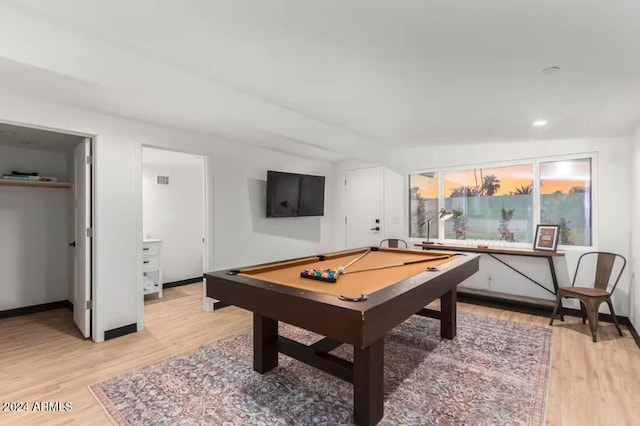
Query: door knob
x=377, y=228
x=73, y=244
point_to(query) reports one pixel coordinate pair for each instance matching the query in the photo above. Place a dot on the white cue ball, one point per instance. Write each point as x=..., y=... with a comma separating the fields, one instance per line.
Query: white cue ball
x=341, y=269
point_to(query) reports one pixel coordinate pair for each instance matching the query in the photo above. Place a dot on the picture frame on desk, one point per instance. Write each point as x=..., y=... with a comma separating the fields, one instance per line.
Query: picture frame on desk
x=546, y=237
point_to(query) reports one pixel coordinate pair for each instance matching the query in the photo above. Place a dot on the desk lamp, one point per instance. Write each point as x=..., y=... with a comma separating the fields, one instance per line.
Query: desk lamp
x=441, y=215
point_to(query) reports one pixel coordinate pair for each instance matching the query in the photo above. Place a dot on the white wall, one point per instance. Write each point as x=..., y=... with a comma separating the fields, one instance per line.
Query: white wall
x=394, y=208
x=634, y=212
x=611, y=204
x=243, y=233
x=239, y=232
x=33, y=232
x=174, y=213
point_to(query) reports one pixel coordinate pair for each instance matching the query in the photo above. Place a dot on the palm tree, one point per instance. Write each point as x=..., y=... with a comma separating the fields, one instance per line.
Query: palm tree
x=523, y=190
x=490, y=185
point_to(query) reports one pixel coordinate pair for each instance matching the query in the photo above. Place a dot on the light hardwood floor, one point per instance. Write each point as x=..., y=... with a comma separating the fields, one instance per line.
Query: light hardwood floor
x=43, y=358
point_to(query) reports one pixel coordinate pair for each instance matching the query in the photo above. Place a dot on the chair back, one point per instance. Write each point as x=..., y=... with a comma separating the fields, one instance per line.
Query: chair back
x=608, y=269
x=394, y=243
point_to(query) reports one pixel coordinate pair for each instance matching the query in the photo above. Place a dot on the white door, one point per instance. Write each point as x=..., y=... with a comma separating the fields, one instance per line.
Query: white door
x=364, y=207
x=82, y=223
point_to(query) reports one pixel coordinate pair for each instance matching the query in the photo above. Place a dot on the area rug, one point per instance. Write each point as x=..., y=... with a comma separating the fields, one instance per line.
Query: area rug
x=493, y=373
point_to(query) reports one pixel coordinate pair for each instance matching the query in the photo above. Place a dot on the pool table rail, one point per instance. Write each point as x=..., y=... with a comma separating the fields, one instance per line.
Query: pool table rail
x=355, y=323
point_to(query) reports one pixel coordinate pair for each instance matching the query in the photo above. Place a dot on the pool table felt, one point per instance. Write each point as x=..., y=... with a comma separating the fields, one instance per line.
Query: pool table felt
x=350, y=284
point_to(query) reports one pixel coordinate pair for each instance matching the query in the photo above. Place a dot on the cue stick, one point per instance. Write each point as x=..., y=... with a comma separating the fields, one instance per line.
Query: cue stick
x=355, y=260
x=393, y=265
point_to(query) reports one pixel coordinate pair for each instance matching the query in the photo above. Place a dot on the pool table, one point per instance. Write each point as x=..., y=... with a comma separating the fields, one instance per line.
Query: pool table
x=379, y=289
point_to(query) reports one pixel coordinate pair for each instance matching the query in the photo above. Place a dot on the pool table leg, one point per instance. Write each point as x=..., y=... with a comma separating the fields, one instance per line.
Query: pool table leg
x=448, y=314
x=265, y=343
x=368, y=383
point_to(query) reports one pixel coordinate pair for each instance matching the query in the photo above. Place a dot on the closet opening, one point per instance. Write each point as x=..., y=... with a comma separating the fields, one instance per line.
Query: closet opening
x=46, y=217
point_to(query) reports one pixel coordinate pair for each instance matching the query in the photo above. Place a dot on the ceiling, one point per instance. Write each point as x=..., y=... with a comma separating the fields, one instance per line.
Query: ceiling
x=336, y=79
x=38, y=139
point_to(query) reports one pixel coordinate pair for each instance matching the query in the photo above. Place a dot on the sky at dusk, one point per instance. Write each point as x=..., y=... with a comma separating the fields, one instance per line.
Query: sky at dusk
x=555, y=176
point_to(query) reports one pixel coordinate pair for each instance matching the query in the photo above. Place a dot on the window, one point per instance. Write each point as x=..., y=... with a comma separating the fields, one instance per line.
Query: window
x=423, y=199
x=565, y=199
x=505, y=203
x=490, y=203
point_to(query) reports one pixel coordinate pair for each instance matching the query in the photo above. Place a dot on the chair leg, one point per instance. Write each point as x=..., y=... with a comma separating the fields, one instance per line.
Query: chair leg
x=613, y=314
x=555, y=310
x=583, y=311
x=592, y=313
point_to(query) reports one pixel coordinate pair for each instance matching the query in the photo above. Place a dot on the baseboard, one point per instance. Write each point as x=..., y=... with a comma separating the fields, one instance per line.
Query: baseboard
x=219, y=305
x=182, y=282
x=601, y=316
x=120, y=331
x=535, y=308
x=485, y=299
x=35, y=309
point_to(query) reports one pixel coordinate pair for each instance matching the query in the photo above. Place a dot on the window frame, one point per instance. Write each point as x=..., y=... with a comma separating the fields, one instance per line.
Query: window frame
x=536, y=162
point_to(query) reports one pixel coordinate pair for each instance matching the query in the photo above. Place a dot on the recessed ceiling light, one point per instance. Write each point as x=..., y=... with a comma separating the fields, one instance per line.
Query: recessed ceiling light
x=539, y=123
x=551, y=70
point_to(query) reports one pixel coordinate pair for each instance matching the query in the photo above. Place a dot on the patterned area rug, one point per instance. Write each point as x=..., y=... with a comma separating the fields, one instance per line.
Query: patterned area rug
x=493, y=373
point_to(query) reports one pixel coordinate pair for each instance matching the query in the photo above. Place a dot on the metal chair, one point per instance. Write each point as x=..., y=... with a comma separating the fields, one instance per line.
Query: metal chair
x=592, y=297
x=394, y=243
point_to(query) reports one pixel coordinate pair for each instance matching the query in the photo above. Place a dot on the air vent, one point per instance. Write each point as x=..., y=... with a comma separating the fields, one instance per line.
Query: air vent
x=163, y=180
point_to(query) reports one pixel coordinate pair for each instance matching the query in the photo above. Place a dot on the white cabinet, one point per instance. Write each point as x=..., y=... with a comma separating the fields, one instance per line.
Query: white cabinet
x=152, y=266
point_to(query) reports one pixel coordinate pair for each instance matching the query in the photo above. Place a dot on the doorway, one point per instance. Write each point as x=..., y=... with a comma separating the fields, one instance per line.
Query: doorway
x=363, y=194
x=46, y=216
x=173, y=220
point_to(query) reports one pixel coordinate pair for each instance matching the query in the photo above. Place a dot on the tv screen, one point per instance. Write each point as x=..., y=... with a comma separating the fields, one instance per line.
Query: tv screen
x=292, y=194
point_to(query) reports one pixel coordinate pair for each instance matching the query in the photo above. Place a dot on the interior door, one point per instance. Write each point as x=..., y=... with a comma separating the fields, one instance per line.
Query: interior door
x=364, y=207
x=82, y=234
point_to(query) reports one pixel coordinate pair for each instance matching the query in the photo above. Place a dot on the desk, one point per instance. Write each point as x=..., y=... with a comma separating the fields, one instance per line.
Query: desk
x=549, y=255
x=276, y=292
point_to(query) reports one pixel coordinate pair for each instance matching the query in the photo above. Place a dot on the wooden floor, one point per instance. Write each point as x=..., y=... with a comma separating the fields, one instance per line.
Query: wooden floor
x=43, y=358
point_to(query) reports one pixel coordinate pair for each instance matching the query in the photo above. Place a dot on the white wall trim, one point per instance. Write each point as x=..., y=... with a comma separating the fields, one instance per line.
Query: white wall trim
x=139, y=238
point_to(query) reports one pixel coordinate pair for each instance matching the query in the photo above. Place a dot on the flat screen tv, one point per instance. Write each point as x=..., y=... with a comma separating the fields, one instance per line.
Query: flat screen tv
x=292, y=194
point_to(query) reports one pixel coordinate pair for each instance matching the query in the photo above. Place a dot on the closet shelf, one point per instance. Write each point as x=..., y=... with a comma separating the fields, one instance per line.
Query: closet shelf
x=35, y=184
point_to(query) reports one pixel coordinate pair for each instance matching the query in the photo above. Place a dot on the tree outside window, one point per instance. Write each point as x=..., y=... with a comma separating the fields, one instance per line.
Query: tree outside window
x=423, y=199
x=497, y=203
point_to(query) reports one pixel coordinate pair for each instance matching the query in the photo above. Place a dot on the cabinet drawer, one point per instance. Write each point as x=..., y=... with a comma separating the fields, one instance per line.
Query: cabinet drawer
x=150, y=262
x=149, y=248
